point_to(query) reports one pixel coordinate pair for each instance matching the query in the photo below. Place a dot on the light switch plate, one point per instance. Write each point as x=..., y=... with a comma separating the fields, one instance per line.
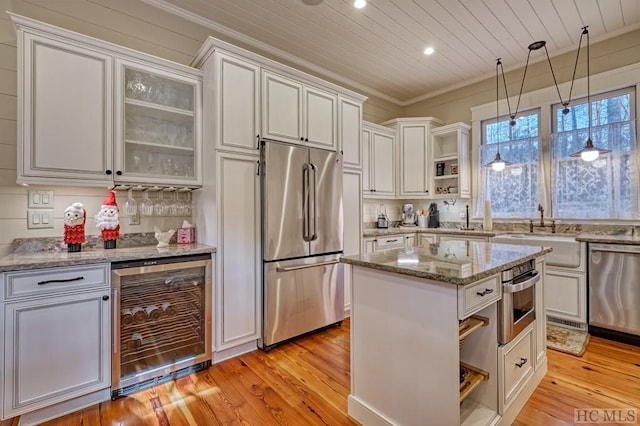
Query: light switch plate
x=40, y=199
x=39, y=218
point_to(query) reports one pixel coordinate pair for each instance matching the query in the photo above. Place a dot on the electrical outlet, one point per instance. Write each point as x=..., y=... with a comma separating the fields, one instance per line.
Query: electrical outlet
x=135, y=219
x=40, y=199
x=39, y=218
x=461, y=215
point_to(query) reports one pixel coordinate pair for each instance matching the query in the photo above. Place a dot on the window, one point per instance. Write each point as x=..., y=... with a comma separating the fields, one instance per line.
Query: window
x=516, y=190
x=606, y=188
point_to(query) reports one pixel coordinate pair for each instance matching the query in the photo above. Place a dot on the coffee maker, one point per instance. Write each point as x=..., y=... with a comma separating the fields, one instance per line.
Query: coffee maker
x=409, y=216
x=434, y=216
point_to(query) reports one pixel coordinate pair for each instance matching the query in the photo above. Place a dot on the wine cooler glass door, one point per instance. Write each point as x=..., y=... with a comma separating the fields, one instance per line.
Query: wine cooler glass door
x=162, y=320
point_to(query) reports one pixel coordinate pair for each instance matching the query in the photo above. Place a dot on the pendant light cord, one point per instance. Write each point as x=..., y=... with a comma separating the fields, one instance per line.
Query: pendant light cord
x=498, y=64
x=585, y=30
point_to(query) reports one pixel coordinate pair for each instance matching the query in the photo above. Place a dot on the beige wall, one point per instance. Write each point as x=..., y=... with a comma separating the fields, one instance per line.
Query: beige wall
x=134, y=24
x=455, y=105
x=124, y=22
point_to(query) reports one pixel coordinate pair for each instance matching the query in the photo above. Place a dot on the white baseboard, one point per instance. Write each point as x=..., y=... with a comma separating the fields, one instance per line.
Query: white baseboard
x=364, y=414
x=62, y=408
x=234, y=352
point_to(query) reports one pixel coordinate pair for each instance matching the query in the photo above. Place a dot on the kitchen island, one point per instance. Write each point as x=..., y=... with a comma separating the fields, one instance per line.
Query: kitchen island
x=422, y=318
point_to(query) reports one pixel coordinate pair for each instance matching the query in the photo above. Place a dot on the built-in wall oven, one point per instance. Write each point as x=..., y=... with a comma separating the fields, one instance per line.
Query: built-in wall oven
x=517, y=308
x=161, y=320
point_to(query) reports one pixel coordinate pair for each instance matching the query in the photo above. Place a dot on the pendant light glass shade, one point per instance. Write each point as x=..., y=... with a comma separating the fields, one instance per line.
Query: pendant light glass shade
x=498, y=164
x=589, y=152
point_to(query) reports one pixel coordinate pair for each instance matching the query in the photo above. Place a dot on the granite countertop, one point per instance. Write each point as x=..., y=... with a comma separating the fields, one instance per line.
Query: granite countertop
x=52, y=258
x=376, y=232
x=609, y=239
x=454, y=262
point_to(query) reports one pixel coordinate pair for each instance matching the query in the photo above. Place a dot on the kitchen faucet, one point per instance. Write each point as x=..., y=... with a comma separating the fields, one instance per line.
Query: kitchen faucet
x=542, y=224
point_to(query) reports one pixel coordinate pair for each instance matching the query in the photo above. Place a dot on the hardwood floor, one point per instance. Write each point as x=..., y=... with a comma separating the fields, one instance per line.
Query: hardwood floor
x=307, y=382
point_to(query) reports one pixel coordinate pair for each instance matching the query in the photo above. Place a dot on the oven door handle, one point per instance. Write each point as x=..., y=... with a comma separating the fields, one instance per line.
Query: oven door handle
x=513, y=288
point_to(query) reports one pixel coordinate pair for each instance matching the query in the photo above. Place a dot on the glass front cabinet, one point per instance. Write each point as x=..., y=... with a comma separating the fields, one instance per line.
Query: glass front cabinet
x=157, y=126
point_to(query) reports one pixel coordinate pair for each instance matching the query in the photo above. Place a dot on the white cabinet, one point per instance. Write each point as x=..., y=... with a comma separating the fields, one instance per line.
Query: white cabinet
x=515, y=367
x=451, y=237
x=67, y=134
x=57, y=336
x=298, y=113
x=413, y=140
x=566, y=294
x=450, y=161
x=91, y=126
x=238, y=295
x=237, y=83
x=352, y=207
x=541, y=320
x=388, y=242
x=425, y=239
x=378, y=161
x=157, y=138
x=350, y=132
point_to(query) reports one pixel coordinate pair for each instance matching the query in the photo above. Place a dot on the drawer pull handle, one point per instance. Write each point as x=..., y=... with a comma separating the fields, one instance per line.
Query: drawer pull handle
x=68, y=280
x=522, y=362
x=392, y=241
x=485, y=292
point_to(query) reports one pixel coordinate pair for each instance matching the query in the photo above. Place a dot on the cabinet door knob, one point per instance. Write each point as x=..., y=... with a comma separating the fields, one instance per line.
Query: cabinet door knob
x=306, y=139
x=108, y=172
x=105, y=297
x=301, y=138
x=119, y=173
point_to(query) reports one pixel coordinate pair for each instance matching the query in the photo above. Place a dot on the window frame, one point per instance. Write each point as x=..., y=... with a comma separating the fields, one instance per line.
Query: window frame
x=632, y=91
x=607, y=81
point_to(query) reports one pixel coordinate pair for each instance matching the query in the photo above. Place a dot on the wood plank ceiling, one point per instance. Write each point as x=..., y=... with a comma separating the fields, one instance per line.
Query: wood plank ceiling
x=379, y=49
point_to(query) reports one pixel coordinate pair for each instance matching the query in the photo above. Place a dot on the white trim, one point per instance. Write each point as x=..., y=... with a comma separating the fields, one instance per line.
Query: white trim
x=32, y=26
x=518, y=66
x=250, y=41
x=544, y=99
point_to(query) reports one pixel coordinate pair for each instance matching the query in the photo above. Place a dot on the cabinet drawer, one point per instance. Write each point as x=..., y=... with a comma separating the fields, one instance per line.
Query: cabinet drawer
x=55, y=280
x=517, y=365
x=473, y=297
x=390, y=242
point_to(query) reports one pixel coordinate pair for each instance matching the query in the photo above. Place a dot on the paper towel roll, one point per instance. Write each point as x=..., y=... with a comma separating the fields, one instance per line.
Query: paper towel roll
x=487, y=223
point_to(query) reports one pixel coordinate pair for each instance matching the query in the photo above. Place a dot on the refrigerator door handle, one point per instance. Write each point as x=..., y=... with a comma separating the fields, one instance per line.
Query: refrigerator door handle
x=315, y=206
x=306, y=219
x=306, y=265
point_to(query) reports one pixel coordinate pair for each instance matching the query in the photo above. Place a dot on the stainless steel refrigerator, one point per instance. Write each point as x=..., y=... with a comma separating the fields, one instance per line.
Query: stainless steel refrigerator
x=301, y=192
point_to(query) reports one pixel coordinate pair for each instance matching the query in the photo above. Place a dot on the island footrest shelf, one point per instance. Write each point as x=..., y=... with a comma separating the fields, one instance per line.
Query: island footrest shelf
x=469, y=325
x=472, y=377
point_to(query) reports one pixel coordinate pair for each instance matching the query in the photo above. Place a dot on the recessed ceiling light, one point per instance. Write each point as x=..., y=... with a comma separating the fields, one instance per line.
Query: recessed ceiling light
x=429, y=50
x=359, y=4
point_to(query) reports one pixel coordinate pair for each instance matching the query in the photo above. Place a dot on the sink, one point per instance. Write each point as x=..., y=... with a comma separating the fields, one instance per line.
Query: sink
x=566, y=250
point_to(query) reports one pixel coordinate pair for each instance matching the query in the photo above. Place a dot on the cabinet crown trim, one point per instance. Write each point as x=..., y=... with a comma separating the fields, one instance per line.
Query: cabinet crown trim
x=25, y=24
x=212, y=45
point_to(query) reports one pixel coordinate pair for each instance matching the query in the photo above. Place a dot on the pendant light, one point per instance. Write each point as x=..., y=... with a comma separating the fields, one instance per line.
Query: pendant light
x=498, y=164
x=589, y=152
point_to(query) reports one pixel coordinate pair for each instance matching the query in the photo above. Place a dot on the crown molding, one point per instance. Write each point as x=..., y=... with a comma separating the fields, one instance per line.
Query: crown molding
x=250, y=41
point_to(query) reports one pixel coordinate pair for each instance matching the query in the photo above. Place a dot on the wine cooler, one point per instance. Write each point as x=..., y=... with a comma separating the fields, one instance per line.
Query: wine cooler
x=161, y=321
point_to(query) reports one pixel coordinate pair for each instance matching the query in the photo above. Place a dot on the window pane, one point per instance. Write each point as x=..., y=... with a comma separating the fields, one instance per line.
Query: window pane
x=606, y=188
x=514, y=191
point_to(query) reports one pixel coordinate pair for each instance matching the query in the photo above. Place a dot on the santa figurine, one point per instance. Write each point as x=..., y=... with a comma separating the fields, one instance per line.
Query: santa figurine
x=107, y=221
x=74, y=220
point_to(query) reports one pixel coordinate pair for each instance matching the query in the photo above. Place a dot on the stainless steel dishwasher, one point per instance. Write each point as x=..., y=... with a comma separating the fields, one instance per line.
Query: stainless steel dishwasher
x=614, y=289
